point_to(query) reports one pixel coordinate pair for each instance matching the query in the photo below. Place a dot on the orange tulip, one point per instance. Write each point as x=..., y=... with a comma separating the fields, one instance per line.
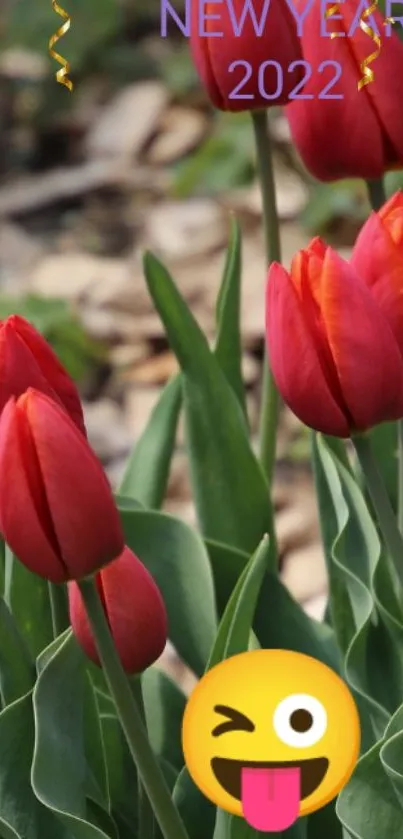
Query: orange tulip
x=333, y=355
x=378, y=257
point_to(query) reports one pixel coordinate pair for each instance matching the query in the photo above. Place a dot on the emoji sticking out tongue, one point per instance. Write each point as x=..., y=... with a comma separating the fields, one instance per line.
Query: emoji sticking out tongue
x=271, y=797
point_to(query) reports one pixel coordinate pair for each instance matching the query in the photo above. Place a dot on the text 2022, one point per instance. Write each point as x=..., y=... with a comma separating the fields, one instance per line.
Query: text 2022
x=296, y=91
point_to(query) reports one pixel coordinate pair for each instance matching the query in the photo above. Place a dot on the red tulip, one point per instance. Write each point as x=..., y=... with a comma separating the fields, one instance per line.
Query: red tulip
x=378, y=257
x=220, y=38
x=135, y=611
x=27, y=360
x=57, y=511
x=359, y=134
x=333, y=355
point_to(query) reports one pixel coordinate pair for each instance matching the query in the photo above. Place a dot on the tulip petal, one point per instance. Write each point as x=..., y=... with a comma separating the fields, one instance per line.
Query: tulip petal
x=135, y=610
x=80, y=623
x=392, y=215
x=85, y=519
x=364, y=349
x=336, y=138
x=280, y=44
x=20, y=515
x=385, y=90
x=379, y=263
x=201, y=58
x=294, y=359
x=393, y=205
x=19, y=369
x=39, y=354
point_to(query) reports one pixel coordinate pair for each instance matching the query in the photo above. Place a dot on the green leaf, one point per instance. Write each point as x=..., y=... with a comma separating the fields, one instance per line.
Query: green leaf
x=48, y=653
x=122, y=776
x=233, y=638
x=164, y=705
x=176, y=557
x=369, y=806
x=236, y=623
x=234, y=827
x=17, y=670
x=198, y=813
x=147, y=470
x=279, y=621
x=94, y=748
x=125, y=504
x=385, y=448
x=227, y=564
x=228, y=348
x=27, y=597
x=365, y=613
x=59, y=769
x=21, y=814
x=229, y=487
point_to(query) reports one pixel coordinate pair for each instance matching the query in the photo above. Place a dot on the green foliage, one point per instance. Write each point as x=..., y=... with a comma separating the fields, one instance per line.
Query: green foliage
x=147, y=470
x=365, y=613
x=66, y=768
x=92, y=23
x=229, y=488
x=27, y=596
x=176, y=557
x=223, y=161
x=228, y=349
x=331, y=202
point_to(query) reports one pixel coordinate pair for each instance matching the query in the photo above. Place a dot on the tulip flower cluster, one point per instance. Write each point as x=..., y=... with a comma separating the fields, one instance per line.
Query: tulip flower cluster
x=57, y=511
x=279, y=57
x=335, y=329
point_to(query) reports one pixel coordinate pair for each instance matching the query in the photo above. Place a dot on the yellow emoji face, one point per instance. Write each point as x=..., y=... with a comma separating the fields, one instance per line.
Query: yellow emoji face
x=270, y=735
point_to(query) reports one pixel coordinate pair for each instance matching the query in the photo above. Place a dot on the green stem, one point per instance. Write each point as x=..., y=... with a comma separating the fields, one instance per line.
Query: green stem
x=58, y=607
x=270, y=402
x=376, y=193
x=148, y=769
x=381, y=503
x=146, y=829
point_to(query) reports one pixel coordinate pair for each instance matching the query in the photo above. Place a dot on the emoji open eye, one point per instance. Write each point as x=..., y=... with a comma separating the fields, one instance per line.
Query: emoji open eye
x=300, y=720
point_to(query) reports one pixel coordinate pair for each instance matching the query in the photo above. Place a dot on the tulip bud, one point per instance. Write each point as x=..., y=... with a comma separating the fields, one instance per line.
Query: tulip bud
x=57, y=511
x=27, y=360
x=134, y=609
x=244, y=63
x=378, y=258
x=333, y=355
x=340, y=131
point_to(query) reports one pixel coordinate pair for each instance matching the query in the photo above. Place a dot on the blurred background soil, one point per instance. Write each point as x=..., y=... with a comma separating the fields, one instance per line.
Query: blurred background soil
x=136, y=158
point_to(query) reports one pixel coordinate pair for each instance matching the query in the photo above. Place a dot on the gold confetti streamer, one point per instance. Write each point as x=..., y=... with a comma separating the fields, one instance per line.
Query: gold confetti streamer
x=329, y=13
x=62, y=75
x=368, y=73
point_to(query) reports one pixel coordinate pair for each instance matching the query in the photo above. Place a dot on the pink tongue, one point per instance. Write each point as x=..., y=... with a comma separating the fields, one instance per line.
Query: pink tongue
x=270, y=797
